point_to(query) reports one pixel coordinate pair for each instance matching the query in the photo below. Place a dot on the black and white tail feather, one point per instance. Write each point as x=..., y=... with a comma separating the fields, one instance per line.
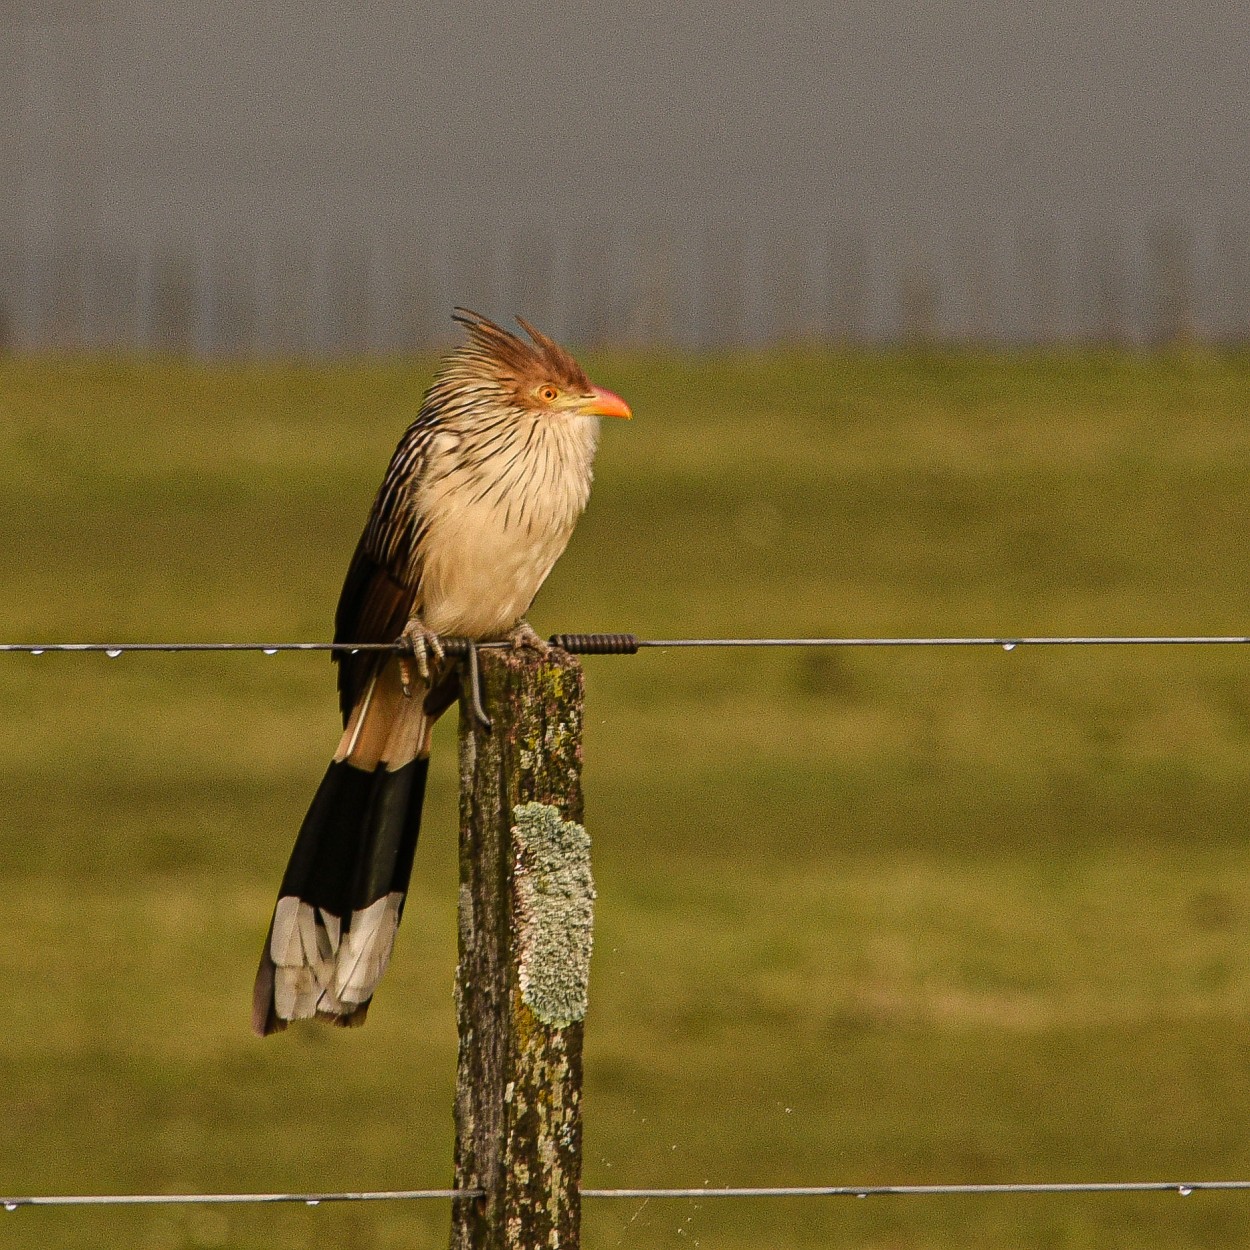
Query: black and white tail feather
x=343, y=892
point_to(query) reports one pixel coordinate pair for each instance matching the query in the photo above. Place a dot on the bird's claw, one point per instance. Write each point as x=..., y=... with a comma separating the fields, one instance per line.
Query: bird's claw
x=524, y=637
x=420, y=643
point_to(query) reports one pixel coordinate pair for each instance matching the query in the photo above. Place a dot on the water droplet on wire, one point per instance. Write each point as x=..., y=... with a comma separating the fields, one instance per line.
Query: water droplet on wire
x=10, y=1206
x=37, y=651
x=271, y=650
x=313, y=1202
x=112, y=653
x=1184, y=1190
x=1009, y=646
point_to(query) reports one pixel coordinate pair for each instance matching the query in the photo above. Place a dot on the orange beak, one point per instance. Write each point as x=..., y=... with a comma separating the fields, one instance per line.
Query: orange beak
x=605, y=404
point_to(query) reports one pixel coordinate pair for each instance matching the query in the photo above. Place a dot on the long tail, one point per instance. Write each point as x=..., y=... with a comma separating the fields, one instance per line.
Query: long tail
x=343, y=893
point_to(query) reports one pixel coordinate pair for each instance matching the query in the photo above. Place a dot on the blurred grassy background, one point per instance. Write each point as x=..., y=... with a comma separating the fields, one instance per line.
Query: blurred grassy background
x=869, y=917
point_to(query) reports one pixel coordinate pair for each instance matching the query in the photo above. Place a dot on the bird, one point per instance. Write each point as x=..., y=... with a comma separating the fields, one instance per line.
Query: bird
x=479, y=501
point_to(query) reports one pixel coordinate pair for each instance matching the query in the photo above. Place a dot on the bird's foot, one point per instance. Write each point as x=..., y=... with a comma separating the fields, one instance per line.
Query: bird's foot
x=523, y=637
x=420, y=643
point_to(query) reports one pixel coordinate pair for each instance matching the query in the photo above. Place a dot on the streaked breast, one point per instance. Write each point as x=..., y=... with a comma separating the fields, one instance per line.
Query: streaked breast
x=500, y=505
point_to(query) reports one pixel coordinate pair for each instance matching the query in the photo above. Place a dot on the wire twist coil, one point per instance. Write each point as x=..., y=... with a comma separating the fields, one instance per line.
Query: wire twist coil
x=596, y=644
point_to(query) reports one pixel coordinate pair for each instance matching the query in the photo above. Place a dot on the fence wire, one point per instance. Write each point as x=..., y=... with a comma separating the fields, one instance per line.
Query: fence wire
x=628, y=644
x=1183, y=1188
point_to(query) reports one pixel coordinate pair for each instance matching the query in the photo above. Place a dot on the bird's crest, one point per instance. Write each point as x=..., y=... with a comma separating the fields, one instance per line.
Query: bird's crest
x=509, y=361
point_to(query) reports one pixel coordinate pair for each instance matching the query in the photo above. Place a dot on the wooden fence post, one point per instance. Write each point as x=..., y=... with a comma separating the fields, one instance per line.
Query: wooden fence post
x=526, y=900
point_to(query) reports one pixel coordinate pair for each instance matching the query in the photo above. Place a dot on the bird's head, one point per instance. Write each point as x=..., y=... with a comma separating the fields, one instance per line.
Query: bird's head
x=538, y=377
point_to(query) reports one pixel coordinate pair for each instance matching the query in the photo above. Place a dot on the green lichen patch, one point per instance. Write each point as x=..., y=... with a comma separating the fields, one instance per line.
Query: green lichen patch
x=555, y=897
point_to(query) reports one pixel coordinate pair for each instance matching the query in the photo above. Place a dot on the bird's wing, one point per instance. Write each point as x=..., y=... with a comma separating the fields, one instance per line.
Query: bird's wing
x=382, y=587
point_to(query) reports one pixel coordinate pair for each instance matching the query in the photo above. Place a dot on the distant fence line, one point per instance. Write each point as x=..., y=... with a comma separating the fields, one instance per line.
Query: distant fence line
x=680, y=283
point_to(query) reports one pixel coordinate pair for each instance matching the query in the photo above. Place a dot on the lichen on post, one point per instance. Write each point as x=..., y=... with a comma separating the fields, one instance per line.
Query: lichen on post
x=526, y=899
x=554, y=902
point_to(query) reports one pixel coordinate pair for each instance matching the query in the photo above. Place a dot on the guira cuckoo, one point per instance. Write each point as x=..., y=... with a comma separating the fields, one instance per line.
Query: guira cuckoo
x=477, y=505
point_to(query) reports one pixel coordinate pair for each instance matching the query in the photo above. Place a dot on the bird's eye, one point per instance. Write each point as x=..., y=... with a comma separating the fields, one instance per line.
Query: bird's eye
x=547, y=393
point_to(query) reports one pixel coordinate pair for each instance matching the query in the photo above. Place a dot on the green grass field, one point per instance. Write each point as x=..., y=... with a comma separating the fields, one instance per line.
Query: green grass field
x=866, y=917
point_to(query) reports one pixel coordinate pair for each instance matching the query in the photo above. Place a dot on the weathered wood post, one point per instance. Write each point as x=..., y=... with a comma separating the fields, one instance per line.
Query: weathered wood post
x=526, y=899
